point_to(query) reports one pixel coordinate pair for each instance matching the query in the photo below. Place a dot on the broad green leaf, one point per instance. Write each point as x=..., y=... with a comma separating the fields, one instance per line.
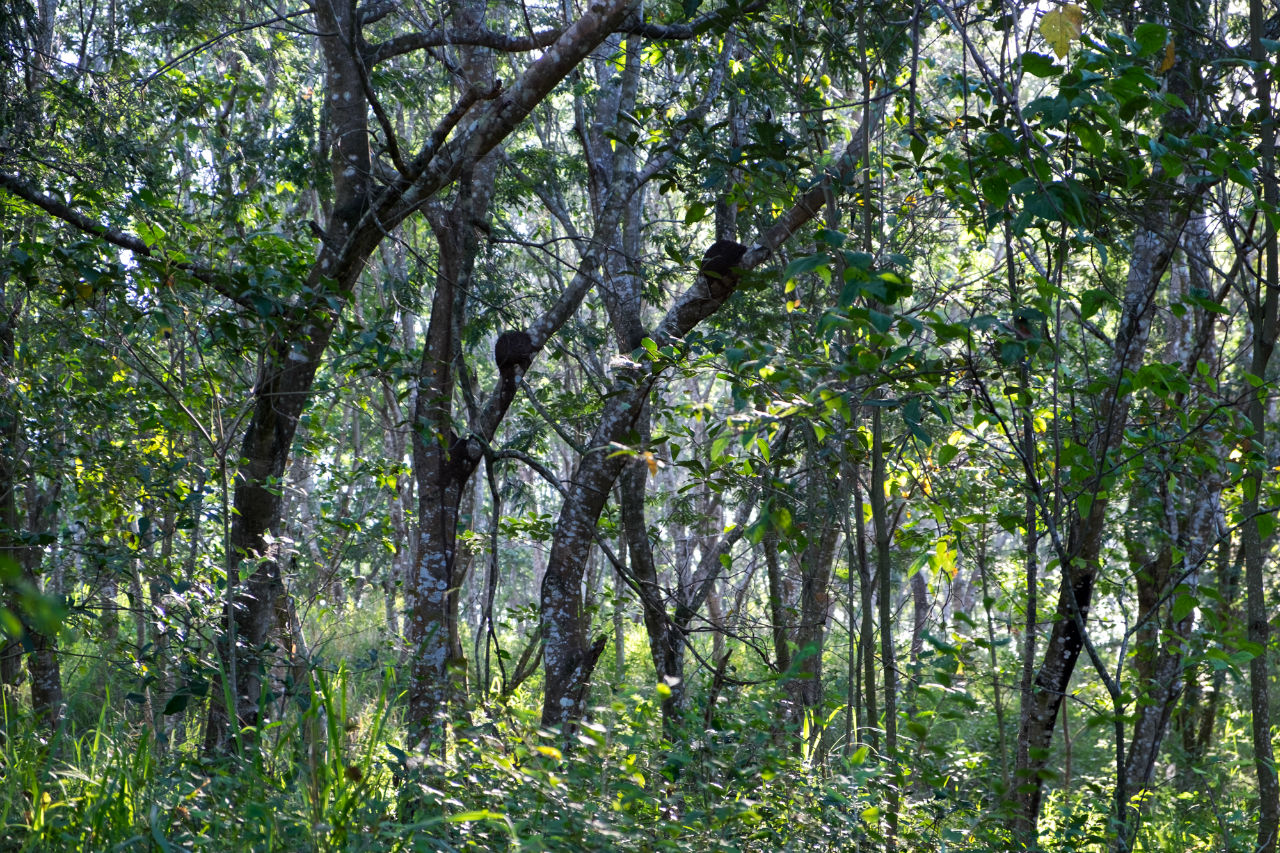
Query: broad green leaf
x=804, y=265
x=1039, y=65
x=696, y=213
x=1150, y=38
x=1183, y=606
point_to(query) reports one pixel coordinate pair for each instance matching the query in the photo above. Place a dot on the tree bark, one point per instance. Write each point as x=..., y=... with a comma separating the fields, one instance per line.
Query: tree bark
x=825, y=503
x=1191, y=514
x=888, y=664
x=359, y=222
x=868, y=732
x=443, y=463
x=16, y=531
x=1263, y=317
x=568, y=658
x=1153, y=246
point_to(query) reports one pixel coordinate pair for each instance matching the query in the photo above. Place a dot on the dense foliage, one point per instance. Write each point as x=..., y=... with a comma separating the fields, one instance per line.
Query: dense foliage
x=672, y=426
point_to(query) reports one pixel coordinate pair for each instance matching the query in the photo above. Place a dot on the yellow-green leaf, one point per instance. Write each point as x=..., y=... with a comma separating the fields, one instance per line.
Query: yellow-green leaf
x=1061, y=27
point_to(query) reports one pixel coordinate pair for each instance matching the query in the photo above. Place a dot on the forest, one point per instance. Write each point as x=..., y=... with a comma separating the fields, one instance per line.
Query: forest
x=683, y=425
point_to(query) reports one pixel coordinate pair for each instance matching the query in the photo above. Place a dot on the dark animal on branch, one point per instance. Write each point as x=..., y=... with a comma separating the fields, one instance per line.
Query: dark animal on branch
x=719, y=266
x=513, y=349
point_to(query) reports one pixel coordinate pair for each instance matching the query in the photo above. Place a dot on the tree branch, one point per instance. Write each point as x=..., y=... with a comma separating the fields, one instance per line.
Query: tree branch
x=480, y=37
x=123, y=239
x=699, y=25
x=503, y=42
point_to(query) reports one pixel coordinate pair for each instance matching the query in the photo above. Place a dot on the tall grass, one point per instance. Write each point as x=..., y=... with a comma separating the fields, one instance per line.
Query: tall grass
x=332, y=773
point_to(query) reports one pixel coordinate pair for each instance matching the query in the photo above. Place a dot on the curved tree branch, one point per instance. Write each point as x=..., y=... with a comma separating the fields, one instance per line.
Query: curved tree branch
x=507, y=43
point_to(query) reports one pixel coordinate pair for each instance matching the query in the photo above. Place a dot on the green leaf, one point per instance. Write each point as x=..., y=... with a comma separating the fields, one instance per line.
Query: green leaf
x=1090, y=139
x=804, y=265
x=995, y=190
x=1039, y=65
x=781, y=518
x=1266, y=525
x=10, y=625
x=472, y=816
x=1183, y=606
x=1092, y=300
x=918, y=147
x=1150, y=38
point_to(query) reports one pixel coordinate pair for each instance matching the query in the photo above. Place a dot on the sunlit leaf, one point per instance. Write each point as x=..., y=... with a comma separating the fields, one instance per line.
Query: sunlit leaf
x=1062, y=26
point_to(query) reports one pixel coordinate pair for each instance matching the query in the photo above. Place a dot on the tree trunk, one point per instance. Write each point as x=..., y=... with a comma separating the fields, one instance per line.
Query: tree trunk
x=42, y=659
x=777, y=605
x=1265, y=323
x=1152, y=249
x=1191, y=515
x=868, y=733
x=568, y=658
x=825, y=504
x=888, y=665
x=359, y=222
x=443, y=463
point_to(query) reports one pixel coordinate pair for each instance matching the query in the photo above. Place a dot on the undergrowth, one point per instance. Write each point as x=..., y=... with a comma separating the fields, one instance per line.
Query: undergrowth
x=332, y=773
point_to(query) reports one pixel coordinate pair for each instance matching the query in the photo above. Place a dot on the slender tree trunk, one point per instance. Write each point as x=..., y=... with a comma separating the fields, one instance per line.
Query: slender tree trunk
x=156, y=590
x=884, y=569
x=980, y=557
x=1191, y=512
x=1197, y=717
x=10, y=432
x=1024, y=825
x=825, y=503
x=1263, y=317
x=777, y=605
x=1152, y=249
x=869, y=733
x=919, y=619
x=853, y=551
x=619, y=620
x=443, y=463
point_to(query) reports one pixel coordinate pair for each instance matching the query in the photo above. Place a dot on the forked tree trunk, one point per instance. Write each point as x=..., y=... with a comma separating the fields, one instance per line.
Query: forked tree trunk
x=1191, y=513
x=569, y=658
x=360, y=221
x=443, y=463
